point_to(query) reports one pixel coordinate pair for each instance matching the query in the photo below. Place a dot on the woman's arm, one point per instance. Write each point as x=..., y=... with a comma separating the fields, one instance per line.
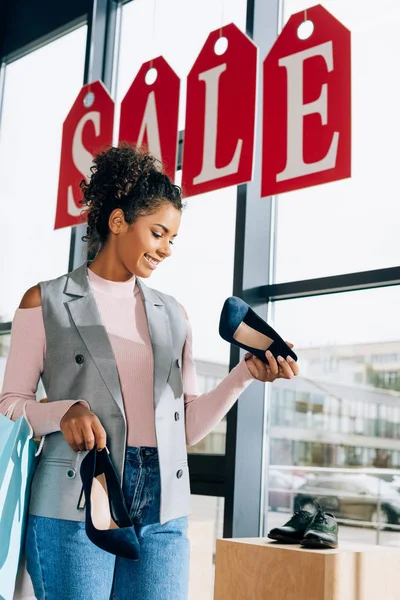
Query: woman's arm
x=25, y=365
x=204, y=411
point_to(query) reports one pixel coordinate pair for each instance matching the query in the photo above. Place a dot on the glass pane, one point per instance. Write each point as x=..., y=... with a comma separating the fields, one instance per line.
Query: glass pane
x=209, y=375
x=341, y=412
x=200, y=271
x=352, y=225
x=205, y=525
x=200, y=274
x=176, y=30
x=37, y=97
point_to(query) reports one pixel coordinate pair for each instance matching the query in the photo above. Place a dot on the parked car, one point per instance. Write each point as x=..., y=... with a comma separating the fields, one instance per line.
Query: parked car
x=352, y=497
x=285, y=482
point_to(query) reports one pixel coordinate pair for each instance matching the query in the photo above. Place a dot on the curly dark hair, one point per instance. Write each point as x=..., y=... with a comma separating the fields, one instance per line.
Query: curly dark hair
x=126, y=178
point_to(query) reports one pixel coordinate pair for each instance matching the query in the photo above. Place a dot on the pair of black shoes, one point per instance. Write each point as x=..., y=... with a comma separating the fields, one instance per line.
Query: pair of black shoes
x=310, y=529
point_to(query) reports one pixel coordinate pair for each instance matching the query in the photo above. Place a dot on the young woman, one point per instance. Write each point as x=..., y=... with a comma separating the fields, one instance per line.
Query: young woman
x=115, y=358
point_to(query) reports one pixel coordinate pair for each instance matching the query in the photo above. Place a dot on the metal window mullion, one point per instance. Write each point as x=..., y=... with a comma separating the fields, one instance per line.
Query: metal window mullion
x=4, y=327
x=100, y=64
x=44, y=40
x=247, y=421
x=336, y=284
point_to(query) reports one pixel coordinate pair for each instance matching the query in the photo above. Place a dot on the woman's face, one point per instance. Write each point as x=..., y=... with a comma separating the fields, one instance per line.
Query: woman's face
x=143, y=246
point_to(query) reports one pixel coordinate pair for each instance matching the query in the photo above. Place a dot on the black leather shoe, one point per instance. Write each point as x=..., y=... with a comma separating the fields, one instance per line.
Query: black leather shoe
x=322, y=532
x=107, y=524
x=293, y=531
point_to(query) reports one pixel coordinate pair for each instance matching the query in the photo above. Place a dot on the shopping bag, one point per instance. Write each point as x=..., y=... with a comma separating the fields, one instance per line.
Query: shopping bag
x=18, y=453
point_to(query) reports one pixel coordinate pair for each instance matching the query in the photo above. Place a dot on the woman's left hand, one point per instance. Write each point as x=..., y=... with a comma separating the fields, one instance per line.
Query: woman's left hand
x=281, y=369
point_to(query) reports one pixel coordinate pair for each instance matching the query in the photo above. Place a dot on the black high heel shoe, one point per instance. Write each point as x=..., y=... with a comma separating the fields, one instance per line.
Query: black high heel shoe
x=241, y=326
x=108, y=524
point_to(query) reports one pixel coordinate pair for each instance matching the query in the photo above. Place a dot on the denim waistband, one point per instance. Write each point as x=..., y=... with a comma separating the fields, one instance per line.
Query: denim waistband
x=142, y=454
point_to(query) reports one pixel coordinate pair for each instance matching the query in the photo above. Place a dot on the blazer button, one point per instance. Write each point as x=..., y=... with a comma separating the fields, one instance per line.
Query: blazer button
x=79, y=359
x=179, y=473
x=178, y=363
x=70, y=473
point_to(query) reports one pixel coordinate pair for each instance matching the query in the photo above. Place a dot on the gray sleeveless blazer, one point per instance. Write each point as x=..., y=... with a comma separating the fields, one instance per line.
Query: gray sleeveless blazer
x=80, y=364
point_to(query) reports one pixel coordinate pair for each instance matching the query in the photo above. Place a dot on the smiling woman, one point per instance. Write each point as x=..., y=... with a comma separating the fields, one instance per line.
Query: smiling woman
x=133, y=211
x=140, y=246
x=115, y=358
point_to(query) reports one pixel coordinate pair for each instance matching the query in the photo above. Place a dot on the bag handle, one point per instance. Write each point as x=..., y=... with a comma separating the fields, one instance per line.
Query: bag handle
x=31, y=431
x=9, y=413
x=10, y=410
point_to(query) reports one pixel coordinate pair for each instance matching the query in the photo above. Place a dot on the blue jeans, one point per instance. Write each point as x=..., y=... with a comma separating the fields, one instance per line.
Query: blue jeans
x=65, y=565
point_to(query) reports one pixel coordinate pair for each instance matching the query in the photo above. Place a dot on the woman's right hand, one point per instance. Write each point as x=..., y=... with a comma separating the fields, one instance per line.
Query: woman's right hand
x=82, y=429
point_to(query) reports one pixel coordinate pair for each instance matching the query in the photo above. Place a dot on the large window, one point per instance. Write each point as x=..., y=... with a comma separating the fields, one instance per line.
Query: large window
x=200, y=272
x=352, y=225
x=39, y=91
x=339, y=421
x=341, y=417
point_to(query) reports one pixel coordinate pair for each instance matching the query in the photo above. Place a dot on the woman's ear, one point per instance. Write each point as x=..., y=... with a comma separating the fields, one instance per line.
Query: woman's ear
x=116, y=222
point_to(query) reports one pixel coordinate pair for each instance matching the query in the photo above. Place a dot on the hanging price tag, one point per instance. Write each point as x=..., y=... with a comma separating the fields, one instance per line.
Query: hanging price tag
x=149, y=112
x=220, y=113
x=86, y=130
x=307, y=104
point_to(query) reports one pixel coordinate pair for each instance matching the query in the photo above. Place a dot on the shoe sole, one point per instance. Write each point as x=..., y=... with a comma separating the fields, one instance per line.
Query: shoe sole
x=318, y=544
x=283, y=539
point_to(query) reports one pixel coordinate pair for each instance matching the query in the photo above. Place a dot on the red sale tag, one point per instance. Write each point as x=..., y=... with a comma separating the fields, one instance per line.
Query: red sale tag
x=307, y=105
x=149, y=113
x=86, y=130
x=220, y=114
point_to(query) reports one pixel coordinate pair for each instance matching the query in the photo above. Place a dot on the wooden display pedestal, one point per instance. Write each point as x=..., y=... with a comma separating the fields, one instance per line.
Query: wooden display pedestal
x=258, y=569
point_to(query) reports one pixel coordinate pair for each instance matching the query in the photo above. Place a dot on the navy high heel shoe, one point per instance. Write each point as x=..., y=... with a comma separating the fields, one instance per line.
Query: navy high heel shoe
x=108, y=524
x=241, y=326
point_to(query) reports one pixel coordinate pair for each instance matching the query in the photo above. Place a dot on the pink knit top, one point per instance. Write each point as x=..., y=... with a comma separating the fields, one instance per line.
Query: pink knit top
x=122, y=312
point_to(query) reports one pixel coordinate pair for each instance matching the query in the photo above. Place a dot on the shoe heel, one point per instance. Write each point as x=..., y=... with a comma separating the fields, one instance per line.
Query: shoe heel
x=115, y=532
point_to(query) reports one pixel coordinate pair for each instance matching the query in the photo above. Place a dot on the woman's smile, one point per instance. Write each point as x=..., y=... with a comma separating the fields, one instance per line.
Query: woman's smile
x=152, y=262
